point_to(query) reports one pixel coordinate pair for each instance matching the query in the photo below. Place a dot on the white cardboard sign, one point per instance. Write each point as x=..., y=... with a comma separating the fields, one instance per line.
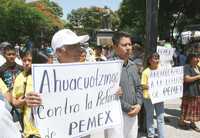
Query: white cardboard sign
x=77, y=98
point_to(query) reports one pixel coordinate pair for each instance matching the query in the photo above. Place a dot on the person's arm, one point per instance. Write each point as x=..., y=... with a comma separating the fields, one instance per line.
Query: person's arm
x=126, y=107
x=17, y=94
x=138, y=88
x=144, y=81
x=189, y=79
x=18, y=102
x=139, y=96
x=5, y=91
x=187, y=75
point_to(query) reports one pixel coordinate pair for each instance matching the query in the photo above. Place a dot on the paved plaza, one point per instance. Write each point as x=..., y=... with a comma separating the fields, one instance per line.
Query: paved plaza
x=172, y=112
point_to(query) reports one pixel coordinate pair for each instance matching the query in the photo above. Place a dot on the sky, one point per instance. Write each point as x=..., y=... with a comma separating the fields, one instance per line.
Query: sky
x=68, y=5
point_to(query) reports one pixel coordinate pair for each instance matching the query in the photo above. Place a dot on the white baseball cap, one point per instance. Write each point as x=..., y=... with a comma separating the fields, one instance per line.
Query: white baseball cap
x=67, y=37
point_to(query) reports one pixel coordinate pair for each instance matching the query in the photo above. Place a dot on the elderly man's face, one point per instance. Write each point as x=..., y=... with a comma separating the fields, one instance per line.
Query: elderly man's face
x=69, y=53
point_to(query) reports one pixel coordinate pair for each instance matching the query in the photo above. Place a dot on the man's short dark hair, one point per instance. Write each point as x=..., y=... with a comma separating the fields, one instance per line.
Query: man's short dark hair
x=118, y=35
x=8, y=47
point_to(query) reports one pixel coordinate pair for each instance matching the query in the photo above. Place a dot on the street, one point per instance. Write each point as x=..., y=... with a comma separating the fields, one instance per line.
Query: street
x=172, y=112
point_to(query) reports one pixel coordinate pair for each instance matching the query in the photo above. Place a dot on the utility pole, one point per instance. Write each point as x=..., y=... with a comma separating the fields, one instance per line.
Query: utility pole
x=151, y=25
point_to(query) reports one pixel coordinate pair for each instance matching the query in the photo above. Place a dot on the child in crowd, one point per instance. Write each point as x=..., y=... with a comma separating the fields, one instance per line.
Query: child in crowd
x=153, y=64
x=10, y=69
x=22, y=87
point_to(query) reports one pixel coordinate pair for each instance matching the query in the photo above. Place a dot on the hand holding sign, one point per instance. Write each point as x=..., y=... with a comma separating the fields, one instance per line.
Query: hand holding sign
x=83, y=102
x=119, y=92
x=33, y=99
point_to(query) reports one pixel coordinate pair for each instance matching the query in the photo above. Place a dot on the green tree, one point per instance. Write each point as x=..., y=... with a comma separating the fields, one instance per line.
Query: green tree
x=132, y=16
x=20, y=21
x=44, y=7
x=172, y=14
x=177, y=14
x=90, y=19
x=53, y=7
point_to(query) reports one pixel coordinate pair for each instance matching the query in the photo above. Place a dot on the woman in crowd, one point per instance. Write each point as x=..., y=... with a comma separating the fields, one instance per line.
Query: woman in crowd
x=152, y=64
x=22, y=87
x=190, y=109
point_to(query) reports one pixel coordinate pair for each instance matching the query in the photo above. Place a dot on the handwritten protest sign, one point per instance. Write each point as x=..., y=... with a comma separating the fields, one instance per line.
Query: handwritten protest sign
x=166, y=56
x=165, y=84
x=77, y=98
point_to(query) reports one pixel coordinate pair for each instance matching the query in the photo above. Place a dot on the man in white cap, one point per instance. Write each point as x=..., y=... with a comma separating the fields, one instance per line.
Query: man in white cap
x=66, y=45
x=67, y=48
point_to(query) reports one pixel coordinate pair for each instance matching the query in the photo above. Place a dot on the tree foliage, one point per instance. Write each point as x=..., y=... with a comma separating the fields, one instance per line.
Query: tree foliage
x=178, y=14
x=90, y=19
x=171, y=14
x=53, y=7
x=132, y=16
x=43, y=7
x=20, y=21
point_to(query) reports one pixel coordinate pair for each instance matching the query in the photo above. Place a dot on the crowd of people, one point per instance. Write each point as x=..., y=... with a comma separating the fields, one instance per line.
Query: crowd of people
x=67, y=47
